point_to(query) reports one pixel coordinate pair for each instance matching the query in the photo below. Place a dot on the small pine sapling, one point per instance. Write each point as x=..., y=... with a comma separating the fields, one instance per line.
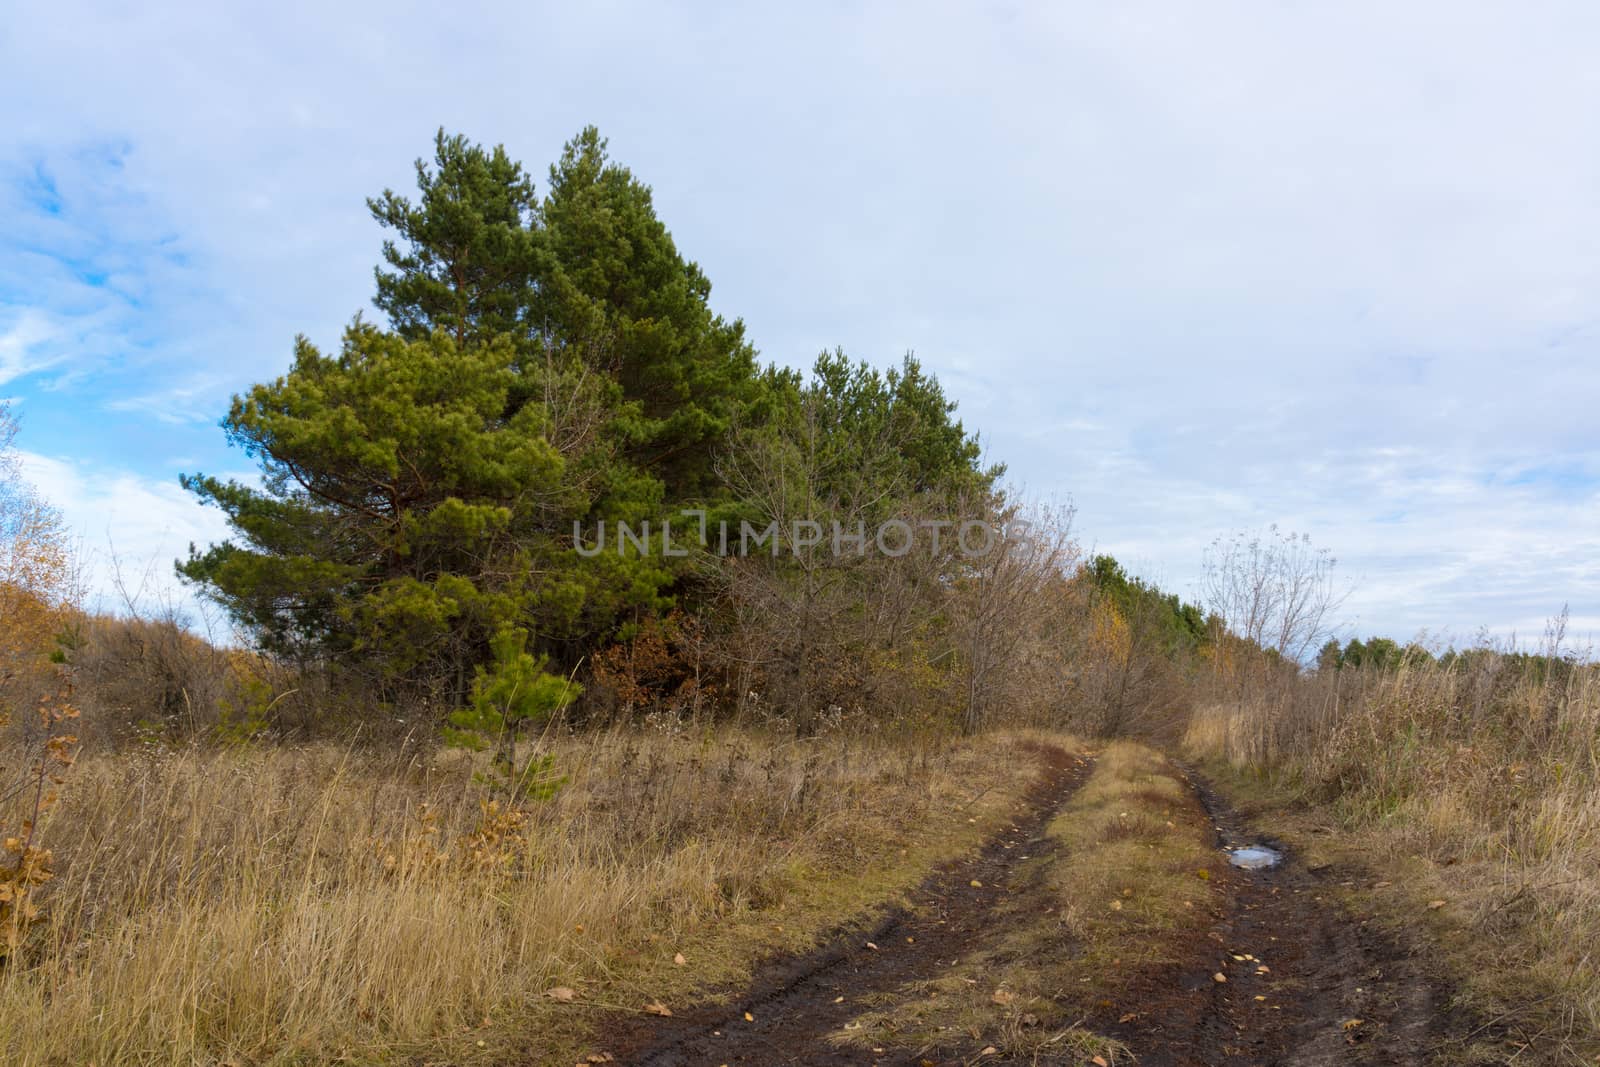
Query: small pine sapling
x=511, y=694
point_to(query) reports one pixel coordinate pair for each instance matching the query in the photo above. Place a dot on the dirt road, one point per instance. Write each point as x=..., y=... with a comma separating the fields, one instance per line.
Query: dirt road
x=1315, y=984
x=1278, y=974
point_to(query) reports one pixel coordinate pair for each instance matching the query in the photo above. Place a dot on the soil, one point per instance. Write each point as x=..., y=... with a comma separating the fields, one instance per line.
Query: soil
x=1315, y=985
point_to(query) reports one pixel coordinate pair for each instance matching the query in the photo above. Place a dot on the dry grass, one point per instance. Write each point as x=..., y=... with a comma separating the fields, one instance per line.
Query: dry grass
x=1136, y=842
x=302, y=905
x=1478, y=785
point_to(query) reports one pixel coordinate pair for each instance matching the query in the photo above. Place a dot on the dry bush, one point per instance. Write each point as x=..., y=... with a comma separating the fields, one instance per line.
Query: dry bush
x=932, y=640
x=302, y=903
x=661, y=673
x=1129, y=682
x=139, y=676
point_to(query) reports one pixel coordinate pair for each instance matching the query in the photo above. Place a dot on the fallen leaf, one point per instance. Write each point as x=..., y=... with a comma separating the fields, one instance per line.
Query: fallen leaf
x=563, y=994
x=975, y=884
x=1263, y=969
x=749, y=1018
x=1128, y=1017
x=1003, y=996
x=838, y=1000
x=872, y=946
x=1203, y=874
x=1219, y=977
x=988, y=1050
x=1351, y=1024
x=1435, y=905
x=655, y=1007
x=1116, y=905
x=1100, y=1061
x=679, y=960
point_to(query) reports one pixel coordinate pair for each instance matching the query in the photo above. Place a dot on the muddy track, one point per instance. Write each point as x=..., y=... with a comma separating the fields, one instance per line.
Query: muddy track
x=1307, y=983
x=1317, y=984
x=794, y=1004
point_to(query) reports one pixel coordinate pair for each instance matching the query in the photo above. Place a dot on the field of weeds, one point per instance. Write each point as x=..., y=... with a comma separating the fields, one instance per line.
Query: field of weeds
x=306, y=904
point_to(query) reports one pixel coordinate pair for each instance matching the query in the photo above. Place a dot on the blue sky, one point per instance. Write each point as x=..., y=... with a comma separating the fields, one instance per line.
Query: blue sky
x=1194, y=267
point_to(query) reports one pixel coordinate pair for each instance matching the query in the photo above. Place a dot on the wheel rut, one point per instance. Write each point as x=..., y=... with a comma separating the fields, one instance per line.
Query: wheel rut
x=1306, y=983
x=789, y=1011
x=1303, y=982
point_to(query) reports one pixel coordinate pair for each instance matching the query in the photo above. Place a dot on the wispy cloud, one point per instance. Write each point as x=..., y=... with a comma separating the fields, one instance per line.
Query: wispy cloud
x=23, y=344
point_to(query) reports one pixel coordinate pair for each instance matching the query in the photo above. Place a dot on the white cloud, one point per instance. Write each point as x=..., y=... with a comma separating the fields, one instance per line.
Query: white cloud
x=130, y=530
x=20, y=344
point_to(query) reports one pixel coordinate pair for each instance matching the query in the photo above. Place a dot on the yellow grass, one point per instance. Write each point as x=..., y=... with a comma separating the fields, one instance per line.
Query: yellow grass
x=303, y=905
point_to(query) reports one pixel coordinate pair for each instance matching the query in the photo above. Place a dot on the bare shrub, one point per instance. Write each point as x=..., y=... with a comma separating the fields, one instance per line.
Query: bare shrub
x=1273, y=590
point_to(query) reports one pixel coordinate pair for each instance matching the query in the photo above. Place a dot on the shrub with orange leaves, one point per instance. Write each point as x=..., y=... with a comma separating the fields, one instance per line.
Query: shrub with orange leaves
x=35, y=647
x=659, y=669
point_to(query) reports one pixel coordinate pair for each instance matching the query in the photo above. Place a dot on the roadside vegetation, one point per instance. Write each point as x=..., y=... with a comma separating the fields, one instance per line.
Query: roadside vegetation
x=1468, y=786
x=494, y=739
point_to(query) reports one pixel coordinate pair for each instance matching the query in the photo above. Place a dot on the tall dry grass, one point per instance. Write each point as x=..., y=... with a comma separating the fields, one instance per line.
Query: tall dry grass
x=1484, y=768
x=271, y=904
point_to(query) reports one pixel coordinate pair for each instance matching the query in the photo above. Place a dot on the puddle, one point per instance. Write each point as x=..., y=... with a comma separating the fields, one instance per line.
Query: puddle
x=1254, y=857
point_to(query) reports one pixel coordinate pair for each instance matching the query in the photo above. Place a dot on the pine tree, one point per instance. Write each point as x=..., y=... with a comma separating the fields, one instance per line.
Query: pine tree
x=640, y=313
x=548, y=363
x=469, y=256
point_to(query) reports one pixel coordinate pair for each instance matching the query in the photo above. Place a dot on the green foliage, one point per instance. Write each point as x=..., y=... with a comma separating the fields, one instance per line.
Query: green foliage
x=511, y=694
x=622, y=297
x=419, y=489
x=472, y=252
x=1180, y=627
x=398, y=517
x=853, y=443
x=892, y=431
x=1379, y=653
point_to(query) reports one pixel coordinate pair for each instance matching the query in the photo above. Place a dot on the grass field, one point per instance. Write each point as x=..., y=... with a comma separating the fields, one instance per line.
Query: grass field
x=305, y=905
